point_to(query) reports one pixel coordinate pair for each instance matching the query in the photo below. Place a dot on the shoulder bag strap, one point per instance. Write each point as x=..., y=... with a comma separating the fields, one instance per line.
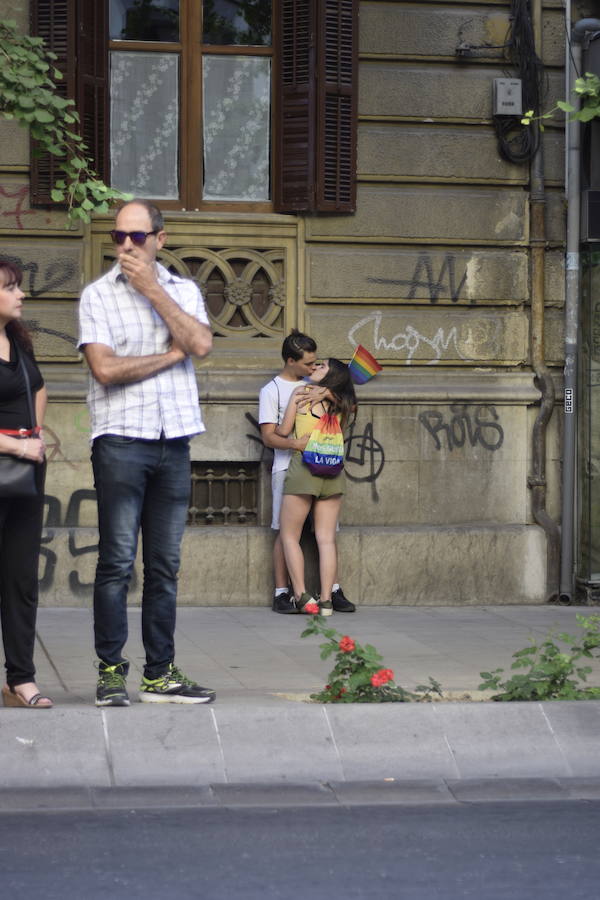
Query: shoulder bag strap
x=279, y=415
x=21, y=364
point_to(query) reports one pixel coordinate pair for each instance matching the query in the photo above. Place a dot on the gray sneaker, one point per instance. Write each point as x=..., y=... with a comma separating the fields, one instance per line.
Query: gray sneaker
x=110, y=689
x=173, y=687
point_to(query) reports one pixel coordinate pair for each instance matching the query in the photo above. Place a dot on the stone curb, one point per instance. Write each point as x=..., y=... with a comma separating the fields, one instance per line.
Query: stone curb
x=425, y=792
x=179, y=747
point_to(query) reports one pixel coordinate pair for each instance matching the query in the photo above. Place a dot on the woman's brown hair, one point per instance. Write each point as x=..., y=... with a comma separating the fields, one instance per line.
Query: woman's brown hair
x=341, y=387
x=11, y=274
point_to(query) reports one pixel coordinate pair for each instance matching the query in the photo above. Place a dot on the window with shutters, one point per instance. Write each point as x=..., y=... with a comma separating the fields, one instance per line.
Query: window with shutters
x=211, y=104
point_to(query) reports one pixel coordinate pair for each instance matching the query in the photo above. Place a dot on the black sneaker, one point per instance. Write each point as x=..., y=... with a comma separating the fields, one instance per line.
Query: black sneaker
x=341, y=603
x=174, y=687
x=111, y=690
x=284, y=603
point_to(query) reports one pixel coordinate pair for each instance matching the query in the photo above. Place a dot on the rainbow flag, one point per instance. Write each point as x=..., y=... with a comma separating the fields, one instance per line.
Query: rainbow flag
x=363, y=366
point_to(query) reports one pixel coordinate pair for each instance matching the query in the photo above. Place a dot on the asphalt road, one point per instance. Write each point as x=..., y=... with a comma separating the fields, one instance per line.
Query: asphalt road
x=484, y=851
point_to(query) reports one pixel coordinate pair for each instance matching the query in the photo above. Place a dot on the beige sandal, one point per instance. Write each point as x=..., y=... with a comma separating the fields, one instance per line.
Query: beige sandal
x=11, y=697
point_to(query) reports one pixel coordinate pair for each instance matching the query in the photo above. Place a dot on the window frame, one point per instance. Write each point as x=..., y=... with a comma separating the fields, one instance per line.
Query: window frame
x=190, y=167
x=330, y=31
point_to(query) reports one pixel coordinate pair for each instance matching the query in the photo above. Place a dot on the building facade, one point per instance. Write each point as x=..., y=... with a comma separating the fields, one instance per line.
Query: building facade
x=443, y=257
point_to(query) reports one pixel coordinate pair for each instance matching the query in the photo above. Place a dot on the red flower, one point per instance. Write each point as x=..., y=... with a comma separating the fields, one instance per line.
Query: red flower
x=312, y=608
x=381, y=677
x=346, y=644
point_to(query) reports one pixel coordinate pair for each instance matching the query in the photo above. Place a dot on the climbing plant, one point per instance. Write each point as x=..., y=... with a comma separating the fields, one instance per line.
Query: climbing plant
x=28, y=96
x=588, y=88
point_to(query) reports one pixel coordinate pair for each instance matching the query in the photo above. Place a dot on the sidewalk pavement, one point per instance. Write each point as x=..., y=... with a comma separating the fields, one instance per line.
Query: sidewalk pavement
x=262, y=734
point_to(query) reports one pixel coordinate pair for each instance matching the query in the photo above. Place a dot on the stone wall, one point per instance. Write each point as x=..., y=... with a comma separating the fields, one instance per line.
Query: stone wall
x=432, y=275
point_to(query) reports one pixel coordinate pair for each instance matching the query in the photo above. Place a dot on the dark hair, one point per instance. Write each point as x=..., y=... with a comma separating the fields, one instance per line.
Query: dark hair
x=340, y=384
x=296, y=345
x=156, y=217
x=13, y=275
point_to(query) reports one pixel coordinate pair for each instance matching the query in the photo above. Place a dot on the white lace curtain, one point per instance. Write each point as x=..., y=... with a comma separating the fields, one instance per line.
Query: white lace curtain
x=237, y=95
x=144, y=125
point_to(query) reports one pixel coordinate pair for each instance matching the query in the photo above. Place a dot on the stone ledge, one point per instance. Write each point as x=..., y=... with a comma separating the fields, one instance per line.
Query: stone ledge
x=413, y=565
x=397, y=384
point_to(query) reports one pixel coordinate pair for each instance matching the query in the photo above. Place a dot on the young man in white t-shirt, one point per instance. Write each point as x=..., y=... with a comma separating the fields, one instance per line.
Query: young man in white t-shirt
x=299, y=352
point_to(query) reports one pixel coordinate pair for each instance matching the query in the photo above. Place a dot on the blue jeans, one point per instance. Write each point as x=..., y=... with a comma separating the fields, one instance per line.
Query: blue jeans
x=139, y=484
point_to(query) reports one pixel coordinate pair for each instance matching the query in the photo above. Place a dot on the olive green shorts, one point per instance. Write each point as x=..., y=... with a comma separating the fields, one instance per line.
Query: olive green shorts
x=300, y=480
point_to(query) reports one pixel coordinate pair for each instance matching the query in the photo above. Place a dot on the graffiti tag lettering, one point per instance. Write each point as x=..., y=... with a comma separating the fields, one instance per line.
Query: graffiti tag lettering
x=482, y=428
x=408, y=341
x=424, y=279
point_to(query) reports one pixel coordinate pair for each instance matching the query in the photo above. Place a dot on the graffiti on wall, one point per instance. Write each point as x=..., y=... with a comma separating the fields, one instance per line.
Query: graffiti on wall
x=469, y=339
x=364, y=457
x=482, y=426
x=423, y=279
x=15, y=214
x=408, y=341
x=39, y=280
x=53, y=519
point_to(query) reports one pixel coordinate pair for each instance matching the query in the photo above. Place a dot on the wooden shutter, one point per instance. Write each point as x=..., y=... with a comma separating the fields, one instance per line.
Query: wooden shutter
x=92, y=80
x=295, y=118
x=315, y=146
x=76, y=30
x=54, y=21
x=337, y=106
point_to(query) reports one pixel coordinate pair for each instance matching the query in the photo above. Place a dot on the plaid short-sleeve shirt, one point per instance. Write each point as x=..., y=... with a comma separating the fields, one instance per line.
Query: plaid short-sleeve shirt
x=112, y=312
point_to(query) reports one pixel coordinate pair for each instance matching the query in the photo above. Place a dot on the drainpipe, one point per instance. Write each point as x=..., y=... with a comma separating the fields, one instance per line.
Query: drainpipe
x=572, y=289
x=543, y=379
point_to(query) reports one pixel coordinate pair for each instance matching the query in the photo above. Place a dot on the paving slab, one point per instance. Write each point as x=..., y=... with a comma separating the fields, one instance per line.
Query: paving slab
x=53, y=748
x=574, y=726
x=286, y=743
x=501, y=740
x=390, y=740
x=178, y=744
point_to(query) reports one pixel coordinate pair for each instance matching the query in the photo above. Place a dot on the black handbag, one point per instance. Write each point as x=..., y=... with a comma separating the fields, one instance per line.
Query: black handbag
x=18, y=476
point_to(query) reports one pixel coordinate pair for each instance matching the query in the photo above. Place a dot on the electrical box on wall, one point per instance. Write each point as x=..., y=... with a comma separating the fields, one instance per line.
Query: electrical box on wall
x=508, y=97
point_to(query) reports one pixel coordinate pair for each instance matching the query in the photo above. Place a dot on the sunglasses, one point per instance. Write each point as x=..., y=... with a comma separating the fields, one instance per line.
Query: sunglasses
x=137, y=237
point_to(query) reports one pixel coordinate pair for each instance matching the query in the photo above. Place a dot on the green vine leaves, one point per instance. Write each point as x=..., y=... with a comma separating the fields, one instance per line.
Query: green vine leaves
x=28, y=96
x=588, y=88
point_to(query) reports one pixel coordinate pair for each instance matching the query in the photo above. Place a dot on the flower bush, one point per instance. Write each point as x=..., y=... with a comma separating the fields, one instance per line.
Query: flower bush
x=358, y=676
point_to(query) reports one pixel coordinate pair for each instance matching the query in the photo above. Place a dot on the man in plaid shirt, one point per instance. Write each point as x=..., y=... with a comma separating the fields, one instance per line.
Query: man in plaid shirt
x=139, y=327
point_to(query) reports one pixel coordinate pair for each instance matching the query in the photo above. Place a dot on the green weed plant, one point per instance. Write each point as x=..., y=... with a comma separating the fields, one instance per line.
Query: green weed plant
x=588, y=89
x=551, y=672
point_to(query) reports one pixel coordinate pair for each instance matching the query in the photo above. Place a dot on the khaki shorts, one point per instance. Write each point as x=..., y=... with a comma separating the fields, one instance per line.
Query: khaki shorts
x=300, y=480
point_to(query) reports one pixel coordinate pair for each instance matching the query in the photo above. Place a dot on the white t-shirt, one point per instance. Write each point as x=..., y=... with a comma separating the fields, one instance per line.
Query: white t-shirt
x=272, y=404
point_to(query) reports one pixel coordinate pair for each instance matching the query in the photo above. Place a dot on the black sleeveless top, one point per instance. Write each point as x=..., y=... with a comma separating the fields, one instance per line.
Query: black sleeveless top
x=14, y=413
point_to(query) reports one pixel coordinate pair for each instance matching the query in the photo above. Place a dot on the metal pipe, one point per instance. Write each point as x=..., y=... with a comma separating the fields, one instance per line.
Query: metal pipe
x=543, y=379
x=572, y=292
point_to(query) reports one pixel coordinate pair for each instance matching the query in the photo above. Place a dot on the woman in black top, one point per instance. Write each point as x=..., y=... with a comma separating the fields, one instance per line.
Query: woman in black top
x=20, y=518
